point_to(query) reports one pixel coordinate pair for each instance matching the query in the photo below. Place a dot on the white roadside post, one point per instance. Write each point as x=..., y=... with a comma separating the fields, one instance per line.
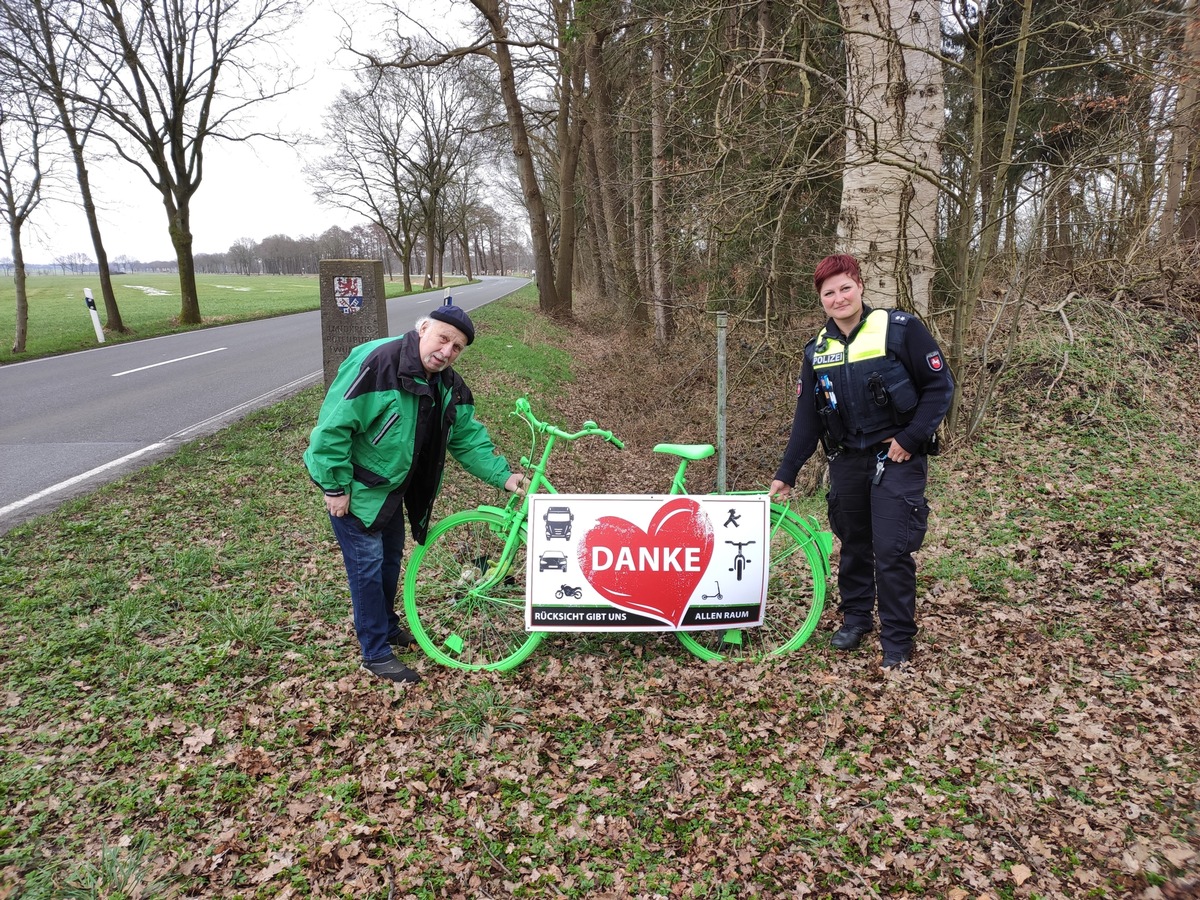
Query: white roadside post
x=447, y=300
x=91, y=305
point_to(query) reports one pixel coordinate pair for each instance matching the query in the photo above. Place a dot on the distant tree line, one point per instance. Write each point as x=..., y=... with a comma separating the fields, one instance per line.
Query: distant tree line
x=280, y=254
x=154, y=84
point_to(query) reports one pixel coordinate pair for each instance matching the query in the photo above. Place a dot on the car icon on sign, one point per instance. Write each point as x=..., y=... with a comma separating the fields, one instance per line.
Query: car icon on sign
x=552, y=559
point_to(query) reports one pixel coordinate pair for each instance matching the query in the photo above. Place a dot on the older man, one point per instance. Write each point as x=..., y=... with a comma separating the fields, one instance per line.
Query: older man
x=394, y=409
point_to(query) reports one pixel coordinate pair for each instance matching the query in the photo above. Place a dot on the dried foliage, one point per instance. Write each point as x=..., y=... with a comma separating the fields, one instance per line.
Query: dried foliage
x=1042, y=744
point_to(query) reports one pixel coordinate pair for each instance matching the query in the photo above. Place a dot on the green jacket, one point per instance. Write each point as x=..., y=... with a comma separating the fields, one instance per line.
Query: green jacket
x=371, y=421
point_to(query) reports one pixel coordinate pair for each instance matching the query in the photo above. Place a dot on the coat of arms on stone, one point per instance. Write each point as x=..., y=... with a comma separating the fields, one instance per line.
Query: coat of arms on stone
x=348, y=292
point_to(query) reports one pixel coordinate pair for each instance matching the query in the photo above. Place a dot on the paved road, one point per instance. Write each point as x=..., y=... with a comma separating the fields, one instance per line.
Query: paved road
x=70, y=423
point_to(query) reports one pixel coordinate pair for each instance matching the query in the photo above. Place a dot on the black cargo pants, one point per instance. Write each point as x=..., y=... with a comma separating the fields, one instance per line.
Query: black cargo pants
x=880, y=526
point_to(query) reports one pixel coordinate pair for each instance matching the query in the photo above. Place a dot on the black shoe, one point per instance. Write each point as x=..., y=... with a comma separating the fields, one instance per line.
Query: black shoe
x=895, y=659
x=401, y=638
x=393, y=670
x=848, y=636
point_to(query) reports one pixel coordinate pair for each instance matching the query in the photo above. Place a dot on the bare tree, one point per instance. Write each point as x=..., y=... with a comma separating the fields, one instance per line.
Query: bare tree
x=546, y=44
x=447, y=109
x=462, y=212
x=23, y=169
x=242, y=254
x=664, y=326
x=168, y=77
x=367, y=173
x=1183, y=172
x=47, y=59
x=612, y=213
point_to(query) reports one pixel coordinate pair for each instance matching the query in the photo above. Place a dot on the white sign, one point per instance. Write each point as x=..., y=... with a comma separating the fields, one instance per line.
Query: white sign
x=604, y=562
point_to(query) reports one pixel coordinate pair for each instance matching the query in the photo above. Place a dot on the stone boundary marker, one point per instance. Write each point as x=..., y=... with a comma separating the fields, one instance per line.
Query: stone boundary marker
x=353, y=308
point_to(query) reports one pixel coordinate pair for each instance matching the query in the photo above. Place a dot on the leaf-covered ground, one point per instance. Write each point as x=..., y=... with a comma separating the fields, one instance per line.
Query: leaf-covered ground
x=183, y=702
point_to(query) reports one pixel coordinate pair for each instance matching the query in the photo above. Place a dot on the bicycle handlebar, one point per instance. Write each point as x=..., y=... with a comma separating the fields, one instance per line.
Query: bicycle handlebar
x=589, y=427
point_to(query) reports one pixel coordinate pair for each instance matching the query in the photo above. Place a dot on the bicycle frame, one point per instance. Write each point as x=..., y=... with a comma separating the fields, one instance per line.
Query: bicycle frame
x=485, y=587
x=515, y=512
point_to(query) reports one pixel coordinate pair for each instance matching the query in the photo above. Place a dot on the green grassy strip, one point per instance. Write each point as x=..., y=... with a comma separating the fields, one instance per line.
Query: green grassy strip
x=59, y=321
x=134, y=616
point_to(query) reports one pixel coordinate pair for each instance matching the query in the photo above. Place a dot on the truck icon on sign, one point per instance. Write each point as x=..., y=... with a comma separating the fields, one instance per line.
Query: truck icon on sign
x=558, y=521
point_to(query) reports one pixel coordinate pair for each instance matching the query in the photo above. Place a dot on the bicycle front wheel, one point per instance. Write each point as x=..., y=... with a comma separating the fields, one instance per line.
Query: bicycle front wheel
x=795, y=596
x=464, y=602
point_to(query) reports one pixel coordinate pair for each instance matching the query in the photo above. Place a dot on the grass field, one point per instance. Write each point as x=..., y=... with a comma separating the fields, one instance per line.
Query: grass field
x=59, y=321
x=184, y=715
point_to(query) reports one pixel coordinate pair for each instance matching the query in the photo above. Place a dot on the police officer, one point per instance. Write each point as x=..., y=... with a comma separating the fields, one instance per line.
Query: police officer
x=873, y=389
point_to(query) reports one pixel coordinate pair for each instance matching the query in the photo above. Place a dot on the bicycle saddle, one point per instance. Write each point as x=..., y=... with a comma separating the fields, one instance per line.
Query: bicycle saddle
x=687, y=451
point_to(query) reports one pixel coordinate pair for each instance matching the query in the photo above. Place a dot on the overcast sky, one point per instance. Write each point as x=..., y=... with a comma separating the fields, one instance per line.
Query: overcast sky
x=248, y=190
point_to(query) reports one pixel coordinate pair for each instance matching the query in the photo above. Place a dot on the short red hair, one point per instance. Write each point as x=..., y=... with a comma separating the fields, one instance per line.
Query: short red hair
x=838, y=264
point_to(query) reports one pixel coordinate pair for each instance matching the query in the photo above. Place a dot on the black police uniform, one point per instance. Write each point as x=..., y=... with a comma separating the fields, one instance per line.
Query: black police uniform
x=887, y=379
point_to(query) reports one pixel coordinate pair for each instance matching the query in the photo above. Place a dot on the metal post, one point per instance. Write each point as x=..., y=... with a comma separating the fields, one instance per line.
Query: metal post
x=722, y=366
x=91, y=305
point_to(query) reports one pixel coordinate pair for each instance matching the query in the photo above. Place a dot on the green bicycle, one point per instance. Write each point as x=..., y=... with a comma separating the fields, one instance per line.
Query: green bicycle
x=464, y=588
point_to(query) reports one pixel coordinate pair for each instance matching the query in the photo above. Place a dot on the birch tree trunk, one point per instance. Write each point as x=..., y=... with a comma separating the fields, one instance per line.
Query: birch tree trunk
x=895, y=115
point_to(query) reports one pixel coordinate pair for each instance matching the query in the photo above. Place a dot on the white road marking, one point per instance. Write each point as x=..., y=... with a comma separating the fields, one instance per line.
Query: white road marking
x=177, y=437
x=259, y=401
x=167, y=362
x=63, y=485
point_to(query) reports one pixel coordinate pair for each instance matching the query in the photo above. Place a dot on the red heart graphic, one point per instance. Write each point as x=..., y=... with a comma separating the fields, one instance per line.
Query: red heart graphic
x=652, y=572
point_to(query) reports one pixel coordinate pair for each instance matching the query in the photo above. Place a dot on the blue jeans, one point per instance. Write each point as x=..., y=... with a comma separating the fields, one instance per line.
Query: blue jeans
x=372, y=561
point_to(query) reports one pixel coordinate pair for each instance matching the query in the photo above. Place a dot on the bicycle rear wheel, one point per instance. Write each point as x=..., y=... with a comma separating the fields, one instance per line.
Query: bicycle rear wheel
x=795, y=596
x=464, y=603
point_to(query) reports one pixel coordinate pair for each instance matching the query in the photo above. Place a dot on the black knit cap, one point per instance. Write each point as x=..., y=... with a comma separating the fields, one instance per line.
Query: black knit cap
x=452, y=315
